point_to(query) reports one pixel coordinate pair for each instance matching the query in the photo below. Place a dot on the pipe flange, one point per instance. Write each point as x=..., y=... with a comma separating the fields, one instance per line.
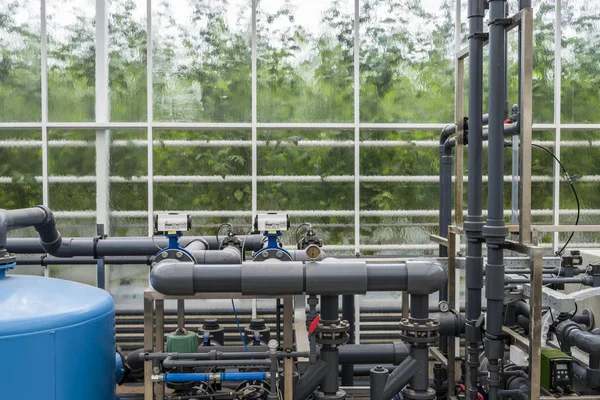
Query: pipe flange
x=590, y=316
x=340, y=394
x=173, y=254
x=7, y=259
x=414, y=332
x=334, y=334
x=410, y=394
x=563, y=329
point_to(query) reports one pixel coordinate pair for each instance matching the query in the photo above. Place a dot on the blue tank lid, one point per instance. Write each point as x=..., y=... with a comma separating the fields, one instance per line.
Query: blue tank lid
x=33, y=304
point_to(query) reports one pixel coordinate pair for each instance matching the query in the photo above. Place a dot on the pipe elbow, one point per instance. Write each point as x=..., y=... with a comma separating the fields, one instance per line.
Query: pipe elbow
x=173, y=278
x=424, y=276
x=50, y=238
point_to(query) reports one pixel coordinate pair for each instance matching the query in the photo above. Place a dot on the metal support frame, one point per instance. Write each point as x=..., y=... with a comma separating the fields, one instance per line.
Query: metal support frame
x=154, y=334
x=102, y=116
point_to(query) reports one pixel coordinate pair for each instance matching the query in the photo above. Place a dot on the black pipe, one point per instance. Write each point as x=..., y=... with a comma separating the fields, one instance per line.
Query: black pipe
x=39, y=217
x=310, y=380
x=378, y=377
x=48, y=260
x=473, y=225
x=170, y=363
x=495, y=230
x=348, y=315
x=584, y=280
x=571, y=334
x=119, y=246
x=360, y=354
x=329, y=354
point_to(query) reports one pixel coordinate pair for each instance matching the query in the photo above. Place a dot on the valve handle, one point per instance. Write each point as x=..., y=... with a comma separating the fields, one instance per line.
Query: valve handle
x=314, y=324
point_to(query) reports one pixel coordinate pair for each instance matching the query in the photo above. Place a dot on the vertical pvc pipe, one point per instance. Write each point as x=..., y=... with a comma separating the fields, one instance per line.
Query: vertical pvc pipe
x=329, y=354
x=495, y=230
x=348, y=315
x=473, y=225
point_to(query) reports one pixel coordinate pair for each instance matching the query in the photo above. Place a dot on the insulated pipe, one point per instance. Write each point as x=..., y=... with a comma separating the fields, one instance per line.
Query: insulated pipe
x=495, y=230
x=473, y=225
x=277, y=279
x=119, y=246
x=39, y=217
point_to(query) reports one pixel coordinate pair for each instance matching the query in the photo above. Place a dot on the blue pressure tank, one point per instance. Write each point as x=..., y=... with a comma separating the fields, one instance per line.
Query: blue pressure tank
x=57, y=340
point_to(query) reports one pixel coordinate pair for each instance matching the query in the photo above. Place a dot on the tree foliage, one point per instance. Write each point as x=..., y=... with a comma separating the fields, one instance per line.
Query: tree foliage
x=202, y=64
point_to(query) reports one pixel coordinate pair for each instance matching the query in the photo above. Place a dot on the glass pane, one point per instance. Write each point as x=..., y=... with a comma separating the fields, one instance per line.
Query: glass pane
x=407, y=62
x=71, y=153
x=581, y=62
x=71, y=60
x=77, y=273
x=21, y=169
x=543, y=66
x=322, y=153
x=305, y=60
x=202, y=60
x=75, y=226
x=306, y=195
x=72, y=195
x=202, y=196
x=127, y=59
x=129, y=226
x=196, y=170
x=126, y=284
x=399, y=230
x=20, y=70
x=129, y=162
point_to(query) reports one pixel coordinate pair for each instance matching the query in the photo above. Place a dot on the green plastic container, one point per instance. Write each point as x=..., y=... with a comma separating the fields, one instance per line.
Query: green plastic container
x=182, y=341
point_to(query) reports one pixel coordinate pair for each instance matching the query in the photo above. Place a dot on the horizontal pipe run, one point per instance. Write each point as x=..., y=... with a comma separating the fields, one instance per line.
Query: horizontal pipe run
x=49, y=260
x=169, y=363
x=584, y=280
x=360, y=354
x=214, y=377
x=119, y=246
x=290, y=278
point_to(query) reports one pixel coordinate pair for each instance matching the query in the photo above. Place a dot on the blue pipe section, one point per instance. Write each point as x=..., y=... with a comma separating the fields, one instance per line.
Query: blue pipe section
x=223, y=376
x=119, y=368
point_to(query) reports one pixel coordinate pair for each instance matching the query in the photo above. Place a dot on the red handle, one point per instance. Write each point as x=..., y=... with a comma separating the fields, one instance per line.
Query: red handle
x=313, y=325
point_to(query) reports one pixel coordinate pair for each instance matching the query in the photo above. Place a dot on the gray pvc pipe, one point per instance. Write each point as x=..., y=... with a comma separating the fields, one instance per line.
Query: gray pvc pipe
x=473, y=224
x=170, y=363
x=495, y=230
x=585, y=341
x=329, y=353
x=399, y=378
x=39, y=217
x=377, y=380
x=310, y=380
x=277, y=279
x=118, y=246
x=360, y=354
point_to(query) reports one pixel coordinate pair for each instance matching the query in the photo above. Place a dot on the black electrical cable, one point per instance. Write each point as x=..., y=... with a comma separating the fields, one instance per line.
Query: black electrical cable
x=570, y=181
x=308, y=227
x=219, y=229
